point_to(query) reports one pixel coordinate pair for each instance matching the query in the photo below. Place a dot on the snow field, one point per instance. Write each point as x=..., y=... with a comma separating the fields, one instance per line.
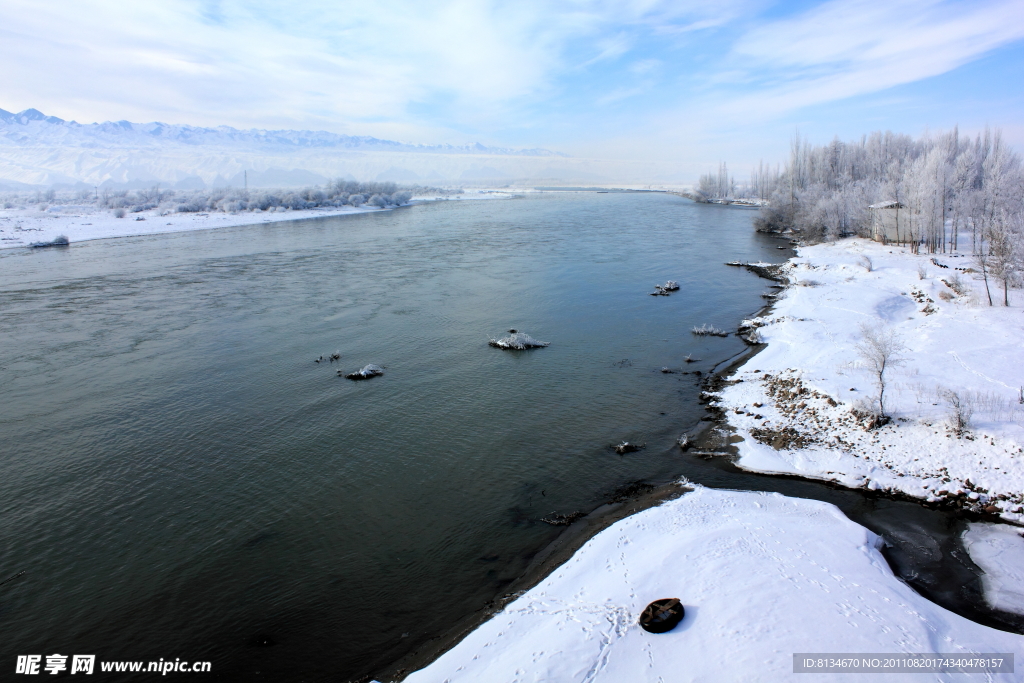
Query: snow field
x=21, y=227
x=762, y=576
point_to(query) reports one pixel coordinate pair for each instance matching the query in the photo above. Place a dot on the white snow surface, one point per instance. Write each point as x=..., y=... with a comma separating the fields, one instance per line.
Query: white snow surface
x=999, y=550
x=815, y=379
x=762, y=576
x=21, y=226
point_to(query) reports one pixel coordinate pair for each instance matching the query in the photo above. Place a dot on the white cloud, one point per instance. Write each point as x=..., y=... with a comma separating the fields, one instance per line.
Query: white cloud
x=340, y=65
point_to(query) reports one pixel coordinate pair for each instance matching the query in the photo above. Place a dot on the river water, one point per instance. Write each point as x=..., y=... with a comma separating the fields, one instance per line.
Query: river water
x=179, y=479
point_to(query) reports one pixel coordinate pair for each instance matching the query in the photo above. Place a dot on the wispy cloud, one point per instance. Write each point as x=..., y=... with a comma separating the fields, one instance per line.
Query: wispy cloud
x=270, y=63
x=845, y=48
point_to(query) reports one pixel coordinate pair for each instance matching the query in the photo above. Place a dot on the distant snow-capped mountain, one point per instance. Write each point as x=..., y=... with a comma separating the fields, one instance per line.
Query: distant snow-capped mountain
x=32, y=126
x=40, y=150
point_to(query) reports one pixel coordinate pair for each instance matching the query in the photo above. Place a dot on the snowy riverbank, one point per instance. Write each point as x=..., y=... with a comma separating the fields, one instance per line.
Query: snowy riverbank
x=762, y=577
x=22, y=225
x=801, y=404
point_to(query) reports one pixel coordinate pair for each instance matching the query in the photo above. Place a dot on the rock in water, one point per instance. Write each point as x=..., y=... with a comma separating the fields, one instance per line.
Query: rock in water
x=627, y=447
x=555, y=519
x=517, y=341
x=59, y=241
x=369, y=371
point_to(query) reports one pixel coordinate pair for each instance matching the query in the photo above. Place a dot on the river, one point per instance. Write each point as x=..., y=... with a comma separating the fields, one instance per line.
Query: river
x=180, y=479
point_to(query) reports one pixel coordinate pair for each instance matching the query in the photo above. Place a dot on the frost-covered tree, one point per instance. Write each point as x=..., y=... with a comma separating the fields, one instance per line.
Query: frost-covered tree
x=1005, y=253
x=880, y=348
x=716, y=186
x=939, y=190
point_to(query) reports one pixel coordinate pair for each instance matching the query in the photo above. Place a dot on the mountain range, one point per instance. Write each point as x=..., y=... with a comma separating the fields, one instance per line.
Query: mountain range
x=37, y=150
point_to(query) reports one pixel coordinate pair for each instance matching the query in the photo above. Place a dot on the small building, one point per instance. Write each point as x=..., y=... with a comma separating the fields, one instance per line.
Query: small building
x=889, y=222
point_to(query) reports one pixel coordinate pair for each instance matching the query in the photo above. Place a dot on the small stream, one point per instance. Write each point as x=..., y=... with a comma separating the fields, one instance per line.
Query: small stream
x=922, y=544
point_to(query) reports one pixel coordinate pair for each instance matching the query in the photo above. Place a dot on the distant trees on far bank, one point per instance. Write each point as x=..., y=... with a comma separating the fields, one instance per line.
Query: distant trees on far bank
x=229, y=200
x=337, y=193
x=717, y=185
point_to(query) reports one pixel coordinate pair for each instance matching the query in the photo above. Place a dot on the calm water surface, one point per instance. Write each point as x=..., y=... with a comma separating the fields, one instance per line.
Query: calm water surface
x=180, y=479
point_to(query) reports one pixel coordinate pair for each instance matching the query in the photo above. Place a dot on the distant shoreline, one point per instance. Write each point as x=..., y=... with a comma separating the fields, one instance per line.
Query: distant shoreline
x=20, y=227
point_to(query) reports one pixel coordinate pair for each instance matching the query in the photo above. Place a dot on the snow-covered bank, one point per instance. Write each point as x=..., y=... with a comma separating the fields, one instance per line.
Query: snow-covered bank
x=999, y=550
x=761, y=576
x=801, y=405
x=22, y=226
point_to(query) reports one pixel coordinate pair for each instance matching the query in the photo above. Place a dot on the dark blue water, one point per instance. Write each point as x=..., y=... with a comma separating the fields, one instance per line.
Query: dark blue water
x=179, y=479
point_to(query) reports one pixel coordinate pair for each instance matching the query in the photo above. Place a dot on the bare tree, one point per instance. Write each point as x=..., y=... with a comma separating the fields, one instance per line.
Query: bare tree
x=880, y=349
x=961, y=409
x=983, y=260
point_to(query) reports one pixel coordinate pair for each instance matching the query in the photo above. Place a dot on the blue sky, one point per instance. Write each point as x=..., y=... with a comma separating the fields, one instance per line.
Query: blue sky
x=682, y=83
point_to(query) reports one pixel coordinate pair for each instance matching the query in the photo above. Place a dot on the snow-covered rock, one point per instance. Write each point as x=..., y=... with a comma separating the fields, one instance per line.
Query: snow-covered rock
x=518, y=341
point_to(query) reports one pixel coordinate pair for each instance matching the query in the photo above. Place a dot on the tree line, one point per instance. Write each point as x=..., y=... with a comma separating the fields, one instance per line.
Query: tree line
x=230, y=200
x=943, y=190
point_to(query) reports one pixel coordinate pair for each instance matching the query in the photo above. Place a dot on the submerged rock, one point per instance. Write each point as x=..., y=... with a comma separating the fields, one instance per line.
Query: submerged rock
x=627, y=447
x=369, y=371
x=59, y=241
x=555, y=519
x=517, y=341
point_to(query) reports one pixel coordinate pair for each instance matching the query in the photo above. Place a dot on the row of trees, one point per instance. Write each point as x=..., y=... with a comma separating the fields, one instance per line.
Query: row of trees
x=311, y=198
x=942, y=190
x=336, y=193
